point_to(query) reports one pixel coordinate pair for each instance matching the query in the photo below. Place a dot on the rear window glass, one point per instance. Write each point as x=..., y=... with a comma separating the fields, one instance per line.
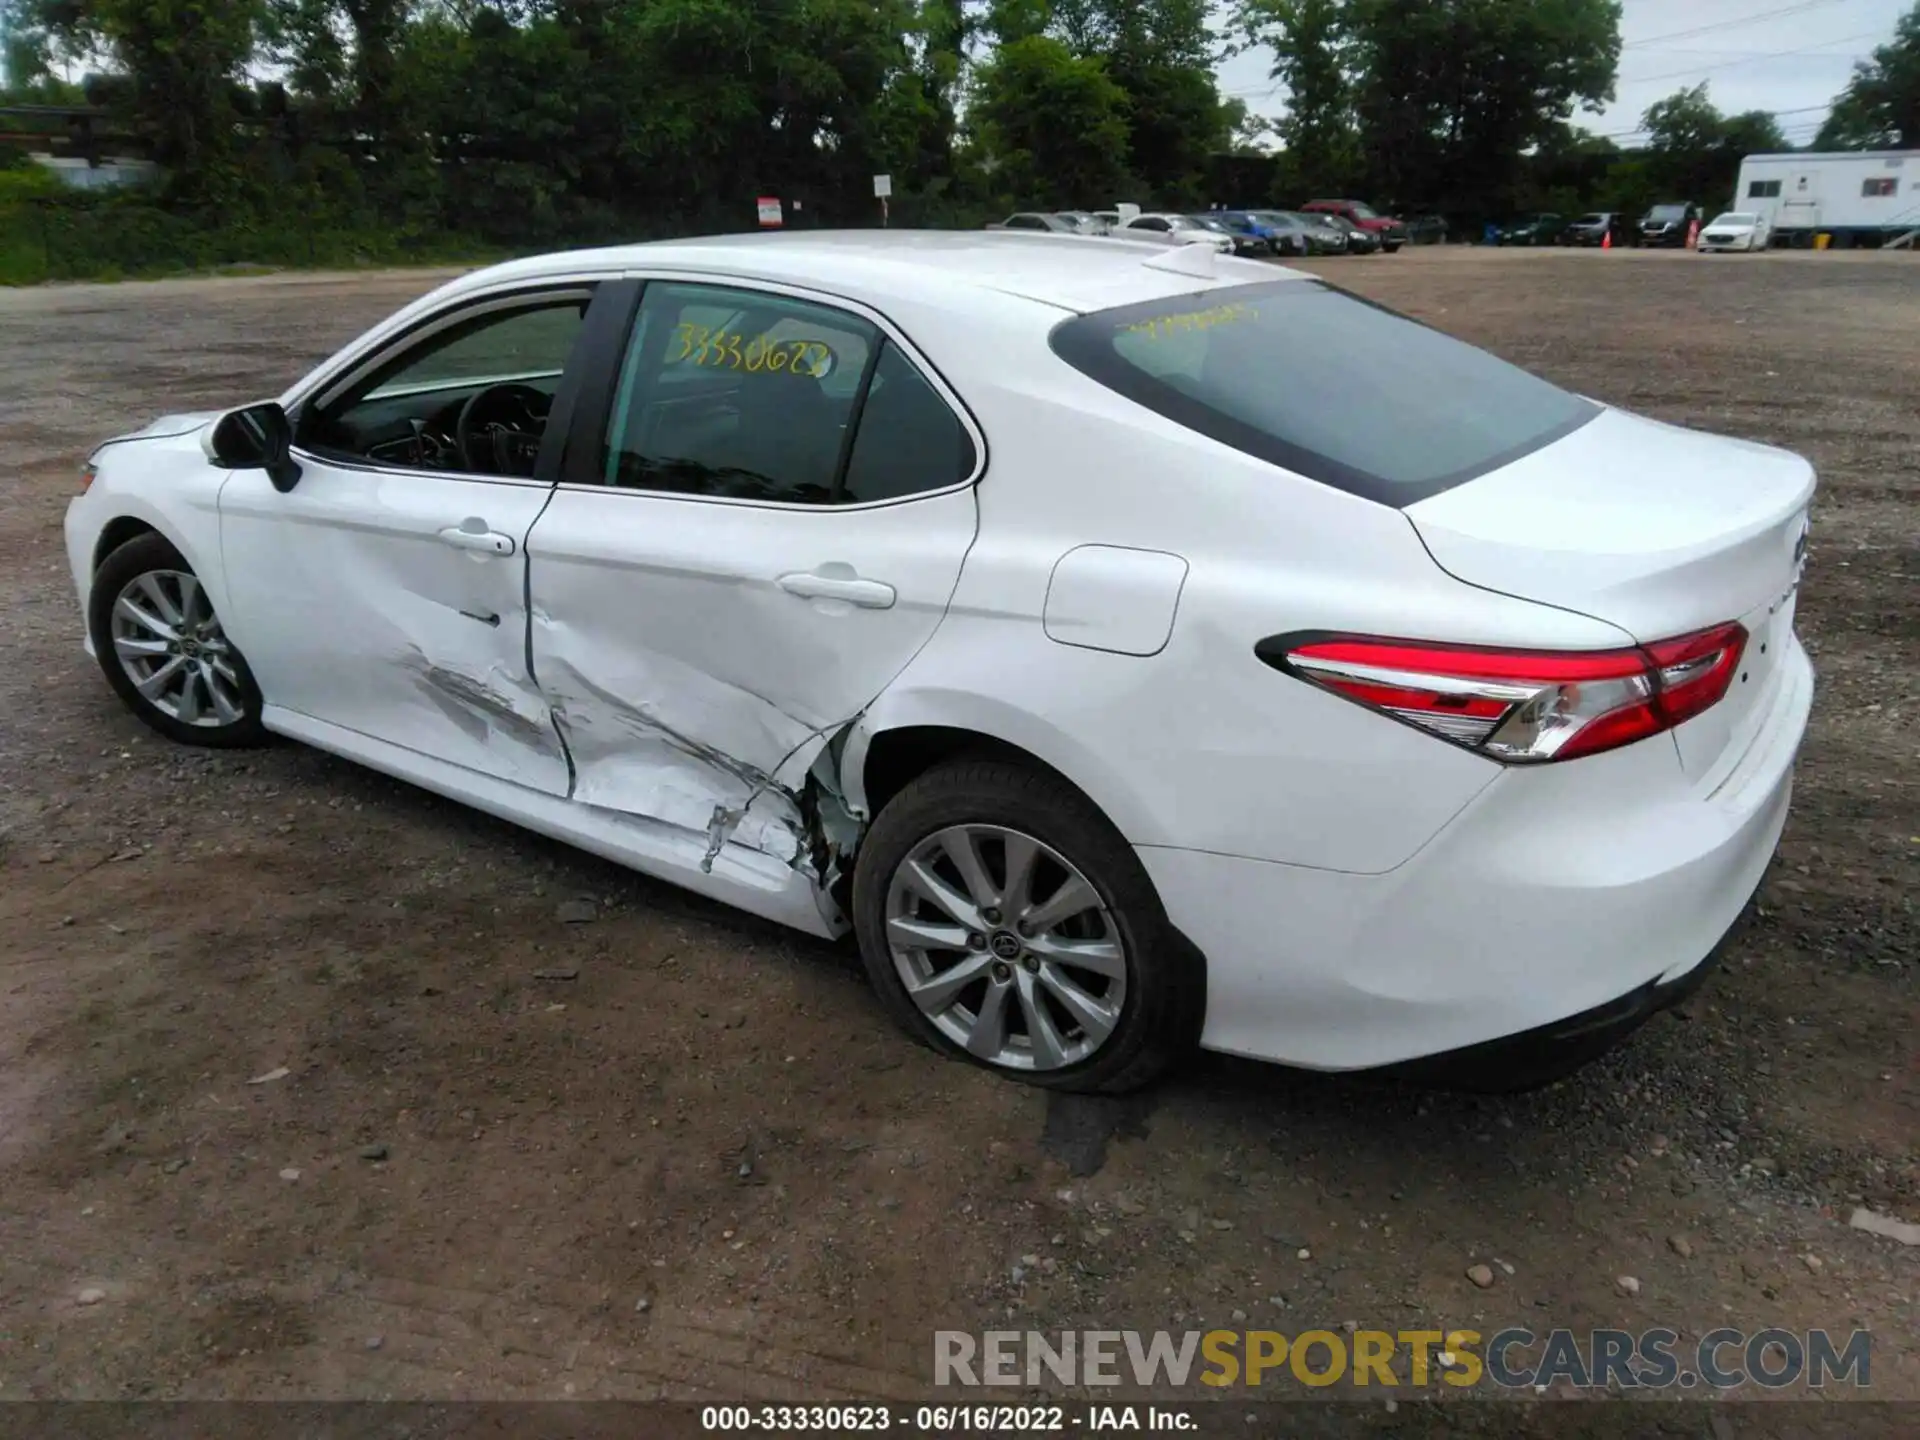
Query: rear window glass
x=1333, y=387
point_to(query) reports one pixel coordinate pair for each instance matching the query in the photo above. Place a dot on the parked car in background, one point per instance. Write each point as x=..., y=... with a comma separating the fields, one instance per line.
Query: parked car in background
x=1085, y=221
x=1285, y=234
x=1324, y=236
x=1389, y=233
x=1246, y=244
x=1427, y=230
x=1171, y=229
x=1666, y=225
x=1736, y=230
x=1037, y=220
x=1594, y=227
x=1537, y=229
x=1359, y=241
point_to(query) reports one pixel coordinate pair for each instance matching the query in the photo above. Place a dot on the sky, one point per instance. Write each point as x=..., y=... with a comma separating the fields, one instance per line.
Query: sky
x=1739, y=46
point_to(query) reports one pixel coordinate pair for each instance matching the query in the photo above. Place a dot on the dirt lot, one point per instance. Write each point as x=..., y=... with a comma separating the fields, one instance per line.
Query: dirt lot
x=706, y=1167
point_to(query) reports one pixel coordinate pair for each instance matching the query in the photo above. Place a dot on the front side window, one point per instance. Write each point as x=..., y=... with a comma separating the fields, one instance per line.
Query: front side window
x=470, y=397
x=747, y=395
x=1369, y=402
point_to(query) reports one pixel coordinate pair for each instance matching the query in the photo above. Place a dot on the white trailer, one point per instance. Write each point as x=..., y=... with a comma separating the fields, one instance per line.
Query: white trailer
x=1861, y=197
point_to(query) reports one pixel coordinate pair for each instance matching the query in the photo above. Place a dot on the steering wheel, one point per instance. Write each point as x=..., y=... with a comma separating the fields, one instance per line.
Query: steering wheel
x=499, y=430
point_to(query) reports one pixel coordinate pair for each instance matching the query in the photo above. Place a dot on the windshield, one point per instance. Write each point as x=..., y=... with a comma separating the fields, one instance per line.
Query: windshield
x=1364, y=212
x=1591, y=220
x=1209, y=222
x=1379, y=405
x=1667, y=212
x=1736, y=217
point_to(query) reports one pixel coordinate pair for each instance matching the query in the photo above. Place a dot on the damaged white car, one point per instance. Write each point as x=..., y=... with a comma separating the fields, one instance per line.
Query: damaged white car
x=1124, y=673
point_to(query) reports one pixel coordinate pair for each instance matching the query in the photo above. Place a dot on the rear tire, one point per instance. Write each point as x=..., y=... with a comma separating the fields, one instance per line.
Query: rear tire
x=1102, y=997
x=164, y=652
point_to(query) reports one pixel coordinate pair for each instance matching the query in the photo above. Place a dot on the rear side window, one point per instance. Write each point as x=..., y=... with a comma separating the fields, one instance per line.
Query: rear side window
x=1330, y=386
x=741, y=394
x=909, y=439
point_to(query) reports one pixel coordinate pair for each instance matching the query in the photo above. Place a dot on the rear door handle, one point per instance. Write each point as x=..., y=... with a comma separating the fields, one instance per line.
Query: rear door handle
x=473, y=534
x=868, y=594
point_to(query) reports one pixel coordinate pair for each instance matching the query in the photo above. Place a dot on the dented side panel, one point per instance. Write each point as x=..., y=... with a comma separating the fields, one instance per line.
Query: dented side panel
x=692, y=686
x=353, y=609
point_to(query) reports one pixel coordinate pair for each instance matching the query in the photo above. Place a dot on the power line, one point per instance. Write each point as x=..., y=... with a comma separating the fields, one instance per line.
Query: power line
x=1731, y=24
x=1770, y=55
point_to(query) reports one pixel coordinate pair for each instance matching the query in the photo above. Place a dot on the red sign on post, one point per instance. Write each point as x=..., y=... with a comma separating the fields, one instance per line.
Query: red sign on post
x=769, y=207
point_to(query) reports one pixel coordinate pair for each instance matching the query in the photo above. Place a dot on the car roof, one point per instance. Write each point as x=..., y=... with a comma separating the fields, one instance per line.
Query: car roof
x=944, y=269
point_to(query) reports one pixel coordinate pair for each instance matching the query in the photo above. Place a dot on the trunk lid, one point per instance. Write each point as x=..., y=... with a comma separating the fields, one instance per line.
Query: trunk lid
x=1658, y=530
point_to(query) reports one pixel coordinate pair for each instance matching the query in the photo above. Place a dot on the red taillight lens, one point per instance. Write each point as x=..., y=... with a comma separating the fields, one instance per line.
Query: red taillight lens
x=1696, y=670
x=1523, y=706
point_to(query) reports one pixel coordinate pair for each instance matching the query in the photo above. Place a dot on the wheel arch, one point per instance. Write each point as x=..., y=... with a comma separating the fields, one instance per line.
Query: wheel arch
x=191, y=529
x=903, y=736
x=117, y=532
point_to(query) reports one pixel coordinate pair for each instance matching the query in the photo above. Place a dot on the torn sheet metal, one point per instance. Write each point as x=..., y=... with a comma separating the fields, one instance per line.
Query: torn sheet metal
x=834, y=832
x=631, y=739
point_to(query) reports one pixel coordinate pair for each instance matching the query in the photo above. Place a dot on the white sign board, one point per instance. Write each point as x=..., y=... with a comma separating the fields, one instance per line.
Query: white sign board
x=882, y=186
x=769, y=207
x=1126, y=210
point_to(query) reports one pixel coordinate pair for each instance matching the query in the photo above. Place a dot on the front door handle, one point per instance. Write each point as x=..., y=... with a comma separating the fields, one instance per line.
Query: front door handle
x=811, y=585
x=472, y=534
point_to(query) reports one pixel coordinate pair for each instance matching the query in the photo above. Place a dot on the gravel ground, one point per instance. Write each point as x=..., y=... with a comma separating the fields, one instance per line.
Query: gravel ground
x=286, y=1110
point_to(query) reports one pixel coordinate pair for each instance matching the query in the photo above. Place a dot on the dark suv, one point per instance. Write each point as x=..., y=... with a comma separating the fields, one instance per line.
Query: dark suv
x=1391, y=233
x=1667, y=225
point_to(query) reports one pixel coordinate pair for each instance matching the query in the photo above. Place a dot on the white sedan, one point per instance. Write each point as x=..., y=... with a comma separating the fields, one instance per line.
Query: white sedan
x=1736, y=230
x=1123, y=673
x=1172, y=229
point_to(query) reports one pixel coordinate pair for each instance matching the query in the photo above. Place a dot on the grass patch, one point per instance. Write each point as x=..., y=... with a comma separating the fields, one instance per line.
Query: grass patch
x=82, y=238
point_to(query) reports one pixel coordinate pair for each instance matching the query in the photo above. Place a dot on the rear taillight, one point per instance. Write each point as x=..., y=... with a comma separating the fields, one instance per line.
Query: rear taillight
x=1521, y=706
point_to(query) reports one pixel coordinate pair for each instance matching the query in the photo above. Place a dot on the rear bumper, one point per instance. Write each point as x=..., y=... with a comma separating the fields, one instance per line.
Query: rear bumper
x=1562, y=896
x=1550, y=1052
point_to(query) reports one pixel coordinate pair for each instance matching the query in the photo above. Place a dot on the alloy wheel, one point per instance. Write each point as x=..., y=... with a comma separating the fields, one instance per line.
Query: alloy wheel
x=169, y=643
x=1006, y=948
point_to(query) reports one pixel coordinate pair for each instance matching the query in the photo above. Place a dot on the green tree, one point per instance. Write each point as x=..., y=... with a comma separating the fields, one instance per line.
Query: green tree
x=1053, y=125
x=1880, y=108
x=1247, y=133
x=1453, y=93
x=1309, y=39
x=1160, y=53
x=1693, y=152
x=183, y=61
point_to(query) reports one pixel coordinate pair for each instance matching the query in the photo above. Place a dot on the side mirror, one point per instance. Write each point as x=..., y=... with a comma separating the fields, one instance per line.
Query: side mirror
x=257, y=437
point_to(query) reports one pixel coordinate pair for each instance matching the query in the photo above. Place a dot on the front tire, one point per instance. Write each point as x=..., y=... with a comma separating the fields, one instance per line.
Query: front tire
x=164, y=651
x=1004, y=921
